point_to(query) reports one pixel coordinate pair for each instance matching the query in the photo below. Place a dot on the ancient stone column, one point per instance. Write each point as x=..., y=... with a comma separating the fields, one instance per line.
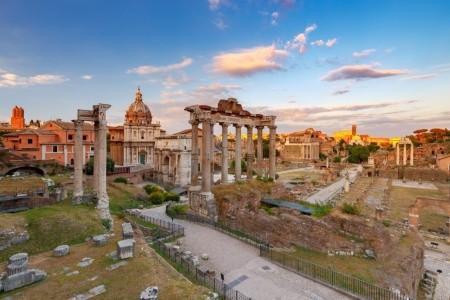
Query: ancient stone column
x=96, y=158
x=224, y=152
x=404, y=154
x=272, y=150
x=206, y=157
x=212, y=152
x=411, y=160
x=250, y=152
x=260, y=150
x=100, y=151
x=194, y=153
x=78, y=163
x=398, y=154
x=238, y=153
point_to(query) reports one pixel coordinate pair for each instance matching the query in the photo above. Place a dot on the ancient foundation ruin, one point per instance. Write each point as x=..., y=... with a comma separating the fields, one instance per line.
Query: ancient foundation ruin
x=228, y=112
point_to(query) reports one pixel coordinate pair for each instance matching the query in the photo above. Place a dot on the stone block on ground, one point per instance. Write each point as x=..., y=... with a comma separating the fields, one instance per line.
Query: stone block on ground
x=87, y=261
x=100, y=240
x=150, y=293
x=127, y=231
x=205, y=256
x=369, y=254
x=61, y=250
x=18, y=257
x=117, y=265
x=91, y=293
x=22, y=279
x=195, y=261
x=125, y=248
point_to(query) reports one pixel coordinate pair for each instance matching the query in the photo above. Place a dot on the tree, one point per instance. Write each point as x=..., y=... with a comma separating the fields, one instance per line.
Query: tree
x=358, y=154
x=89, y=166
x=373, y=147
x=322, y=156
x=243, y=165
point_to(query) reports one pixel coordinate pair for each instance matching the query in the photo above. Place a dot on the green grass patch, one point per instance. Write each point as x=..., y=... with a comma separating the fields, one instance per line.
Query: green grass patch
x=58, y=224
x=321, y=210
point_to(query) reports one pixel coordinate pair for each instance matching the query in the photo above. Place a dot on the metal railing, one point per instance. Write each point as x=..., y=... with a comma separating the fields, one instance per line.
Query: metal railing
x=199, y=274
x=330, y=277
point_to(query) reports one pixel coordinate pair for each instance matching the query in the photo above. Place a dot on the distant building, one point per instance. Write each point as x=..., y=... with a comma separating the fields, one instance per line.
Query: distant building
x=17, y=118
x=351, y=137
x=301, y=145
x=53, y=141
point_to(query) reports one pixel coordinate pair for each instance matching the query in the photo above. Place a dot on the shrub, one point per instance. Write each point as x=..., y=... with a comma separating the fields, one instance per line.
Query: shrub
x=337, y=160
x=321, y=210
x=350, y=209
x=156, y=198
x=52, y=172
x=106, y=224
x=151, y=189
x=121, y=180
x=386, y=223
x=171, y=197
x=177, y=210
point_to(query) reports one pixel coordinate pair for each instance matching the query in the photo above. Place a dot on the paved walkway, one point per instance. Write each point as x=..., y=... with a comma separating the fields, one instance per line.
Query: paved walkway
x=326, y=194
x=439, y=260
x=243, y=268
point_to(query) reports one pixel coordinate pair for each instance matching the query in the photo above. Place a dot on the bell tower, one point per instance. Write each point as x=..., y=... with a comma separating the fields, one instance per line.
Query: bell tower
x=18, y=118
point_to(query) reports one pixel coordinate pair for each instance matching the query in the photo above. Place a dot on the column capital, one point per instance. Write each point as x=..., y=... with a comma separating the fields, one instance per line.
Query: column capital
x=194, y=122
x=237, y=125
x=224, y=124
x=259, y=127
x=272, y=127
x=249, y=127
x=78, y=122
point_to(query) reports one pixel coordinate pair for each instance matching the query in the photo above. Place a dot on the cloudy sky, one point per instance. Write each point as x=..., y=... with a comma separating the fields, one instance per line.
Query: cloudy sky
x=383, y=65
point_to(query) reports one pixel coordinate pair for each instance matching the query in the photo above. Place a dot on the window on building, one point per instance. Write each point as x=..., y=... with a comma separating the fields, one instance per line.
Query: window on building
x=30, y=141
x=142, y=135
x=70, y=137
x=84, y=137
x=55, y=148
x=92, y=149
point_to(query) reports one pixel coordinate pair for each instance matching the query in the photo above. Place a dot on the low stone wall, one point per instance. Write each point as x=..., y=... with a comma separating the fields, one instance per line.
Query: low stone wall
x=416, y=174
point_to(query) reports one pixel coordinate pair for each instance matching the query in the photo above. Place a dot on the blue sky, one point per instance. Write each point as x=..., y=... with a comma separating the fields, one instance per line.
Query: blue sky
x=383, y=65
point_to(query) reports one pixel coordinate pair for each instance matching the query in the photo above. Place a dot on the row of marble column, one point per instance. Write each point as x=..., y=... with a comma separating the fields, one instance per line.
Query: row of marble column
x=411, y=159
x=208, y=153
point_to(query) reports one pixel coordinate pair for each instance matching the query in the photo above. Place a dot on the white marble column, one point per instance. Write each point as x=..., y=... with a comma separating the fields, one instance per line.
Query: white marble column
x=194, y=153
x=212, y=152
x=272, y=150
x=259, y=146
x=411, y=160
x=250, y=152
x=238, y=153
x=102, y=195
x=96, y=158
x=398, y=155
x=224, y=152
x=206, y=157
x=78, y=162
x=404, y=154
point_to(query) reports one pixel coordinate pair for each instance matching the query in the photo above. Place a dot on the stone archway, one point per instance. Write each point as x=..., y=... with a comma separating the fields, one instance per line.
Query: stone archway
x=425, y=202
x=26, y=169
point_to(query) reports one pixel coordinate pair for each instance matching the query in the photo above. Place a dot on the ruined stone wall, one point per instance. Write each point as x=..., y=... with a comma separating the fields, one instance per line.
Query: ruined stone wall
x=415, y=174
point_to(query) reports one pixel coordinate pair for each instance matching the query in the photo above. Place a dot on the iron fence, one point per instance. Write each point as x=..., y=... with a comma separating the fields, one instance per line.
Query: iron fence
x=343, y=282
x=199, y=274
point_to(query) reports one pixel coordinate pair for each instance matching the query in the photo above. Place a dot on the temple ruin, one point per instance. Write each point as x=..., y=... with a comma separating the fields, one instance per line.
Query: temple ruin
x=98, y=116
x=228, y=112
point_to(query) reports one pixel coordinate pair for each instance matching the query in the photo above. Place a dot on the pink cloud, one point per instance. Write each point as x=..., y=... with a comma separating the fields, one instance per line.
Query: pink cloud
x=141, y=70
x=310, y=28
x=360, y=72
x=249, y=61
x=331, y=43
x=417, y=77
x=318, y=43
x=363, y=53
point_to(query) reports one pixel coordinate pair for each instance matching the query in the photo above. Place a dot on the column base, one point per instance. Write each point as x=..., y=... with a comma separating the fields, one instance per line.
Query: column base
x=203, y=204
x=77, y=199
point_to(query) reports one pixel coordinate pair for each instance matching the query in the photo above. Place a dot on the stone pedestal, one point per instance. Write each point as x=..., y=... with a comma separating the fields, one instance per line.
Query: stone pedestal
x=204, y=205
x=125, y=248
x=127, y=231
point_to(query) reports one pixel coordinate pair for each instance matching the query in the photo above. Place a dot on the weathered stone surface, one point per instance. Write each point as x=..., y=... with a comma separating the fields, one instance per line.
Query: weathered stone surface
x=179, y=241
x=127, y=231
x=195, y=261
x=22, y=279
x=87, y=261
x=91, y=293
x=100, y=240
x=20, y=238
x=17, y=267
x=125, y=248
x=205, y=256
x=72, y=273
x=61, y=250
x=212, y=296
x=150, y=293
x=117, y=265
x=369, y=254
x=112, y=255
x=19, y=257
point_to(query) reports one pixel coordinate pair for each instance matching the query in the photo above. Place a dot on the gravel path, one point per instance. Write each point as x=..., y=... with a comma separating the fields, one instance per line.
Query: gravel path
x=241, y=264
x=439, y=260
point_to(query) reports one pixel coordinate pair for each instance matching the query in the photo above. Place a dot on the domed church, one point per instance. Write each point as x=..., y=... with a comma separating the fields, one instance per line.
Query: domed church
x=139, y=134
